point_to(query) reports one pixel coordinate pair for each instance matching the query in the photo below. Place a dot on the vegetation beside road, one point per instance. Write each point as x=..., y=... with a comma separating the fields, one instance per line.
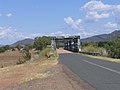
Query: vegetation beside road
x=32, y=62
x=108, y=48
x=103, y=58
x=48, y=53
x=38, y=63
x=27, y=51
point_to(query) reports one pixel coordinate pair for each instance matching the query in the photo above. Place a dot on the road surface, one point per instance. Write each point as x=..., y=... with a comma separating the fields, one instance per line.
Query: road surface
x=103, y=75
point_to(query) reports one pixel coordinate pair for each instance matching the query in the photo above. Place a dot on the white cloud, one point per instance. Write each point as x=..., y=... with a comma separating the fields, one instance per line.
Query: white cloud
x=9, y=35
x=94, y=7
x=111, y=25
x=84, y=34
x=69, y=20
x=59, y=33
x=95, y=16
x=78, y=22
x=73, y=24
x=9, y=14
x=35, y=35
x=9, y=32
x=77, y=28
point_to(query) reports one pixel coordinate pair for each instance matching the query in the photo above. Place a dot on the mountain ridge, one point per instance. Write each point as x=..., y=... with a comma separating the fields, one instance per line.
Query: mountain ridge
x=96, y=38
x=103, y=37
x=23, y=42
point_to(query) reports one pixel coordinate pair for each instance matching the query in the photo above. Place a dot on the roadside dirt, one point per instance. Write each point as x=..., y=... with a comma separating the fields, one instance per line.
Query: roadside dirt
x=60, y=78
x=61, y=50
x=18, y=74
x=9, y=58
x=41, y=75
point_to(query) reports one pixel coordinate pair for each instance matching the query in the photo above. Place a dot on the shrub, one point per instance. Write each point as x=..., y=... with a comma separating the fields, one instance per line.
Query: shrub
x=113, y=48
x=26, y=54
x=18, y=47
x=48, y=53
x=2, y=49
x=20, y=62
x=13, y=49
x=91, y=48
x=2, y=66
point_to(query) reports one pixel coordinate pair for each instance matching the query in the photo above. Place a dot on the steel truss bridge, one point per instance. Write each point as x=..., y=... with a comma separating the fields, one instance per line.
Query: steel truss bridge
x=71, y=43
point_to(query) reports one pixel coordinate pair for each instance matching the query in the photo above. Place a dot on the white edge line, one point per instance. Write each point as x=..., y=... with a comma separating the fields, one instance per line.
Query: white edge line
x=112, y=70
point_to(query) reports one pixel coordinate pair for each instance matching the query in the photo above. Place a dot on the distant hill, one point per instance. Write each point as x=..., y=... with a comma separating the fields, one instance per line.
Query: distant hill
x=1, y=45
x=23, y=42
x=102, y=37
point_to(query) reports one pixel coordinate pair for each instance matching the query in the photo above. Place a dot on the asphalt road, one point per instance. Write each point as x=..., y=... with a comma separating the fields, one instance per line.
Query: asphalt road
x=103, y=75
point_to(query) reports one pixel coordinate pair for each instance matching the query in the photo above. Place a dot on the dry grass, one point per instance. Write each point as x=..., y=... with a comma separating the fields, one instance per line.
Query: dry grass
x=25, y=72
x=9, y=58
x=43, y=74
x=13, y=74
x=104, y=58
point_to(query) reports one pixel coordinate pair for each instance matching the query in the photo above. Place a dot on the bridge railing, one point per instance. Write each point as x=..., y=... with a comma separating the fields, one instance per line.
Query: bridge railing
x=92, y=53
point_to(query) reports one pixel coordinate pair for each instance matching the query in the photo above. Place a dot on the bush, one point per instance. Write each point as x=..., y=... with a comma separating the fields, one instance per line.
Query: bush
x=7, y=47
x=26, y=52
x=113, y=48
x=91, y=49
x=18, y=47
x=2, y=49
x=20, y=62
x=48, y=53
x=26, y=55
x=13, y=49
x=2, y=66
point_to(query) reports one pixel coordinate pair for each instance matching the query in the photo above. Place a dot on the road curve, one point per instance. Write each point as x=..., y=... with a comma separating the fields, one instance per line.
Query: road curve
x=103, y=75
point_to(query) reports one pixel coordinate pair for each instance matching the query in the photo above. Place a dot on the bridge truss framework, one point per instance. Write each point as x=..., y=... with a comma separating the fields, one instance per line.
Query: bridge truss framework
x=71, y=43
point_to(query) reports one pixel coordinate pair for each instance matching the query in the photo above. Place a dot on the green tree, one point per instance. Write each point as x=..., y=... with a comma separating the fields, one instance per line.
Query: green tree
x=6, y=47
x=2, y=49
x=28, y=47
x=42, y=42
x=113, y=48
x=18, y=47
x=26, y=52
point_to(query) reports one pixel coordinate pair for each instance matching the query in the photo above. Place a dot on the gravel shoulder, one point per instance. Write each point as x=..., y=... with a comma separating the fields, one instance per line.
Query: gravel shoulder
x=61, y=78
x=61, y=50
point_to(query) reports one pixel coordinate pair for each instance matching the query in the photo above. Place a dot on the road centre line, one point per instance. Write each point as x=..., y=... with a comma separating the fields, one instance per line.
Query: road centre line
x=112, y=70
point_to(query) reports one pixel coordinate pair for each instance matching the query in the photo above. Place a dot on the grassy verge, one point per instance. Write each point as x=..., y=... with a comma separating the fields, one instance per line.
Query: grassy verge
x=48, y=53
x=103, y=58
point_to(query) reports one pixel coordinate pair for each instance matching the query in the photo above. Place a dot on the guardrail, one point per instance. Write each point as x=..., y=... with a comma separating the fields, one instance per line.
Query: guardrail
x=92, y=53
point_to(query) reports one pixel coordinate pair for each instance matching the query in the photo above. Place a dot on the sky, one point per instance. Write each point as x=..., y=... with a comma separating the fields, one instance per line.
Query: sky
x=20, y=19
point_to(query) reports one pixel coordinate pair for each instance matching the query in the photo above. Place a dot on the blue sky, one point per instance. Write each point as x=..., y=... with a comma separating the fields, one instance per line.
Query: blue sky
x=20, y=19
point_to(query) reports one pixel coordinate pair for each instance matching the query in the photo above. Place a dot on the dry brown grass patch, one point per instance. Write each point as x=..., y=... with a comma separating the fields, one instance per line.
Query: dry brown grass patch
x=25, y=72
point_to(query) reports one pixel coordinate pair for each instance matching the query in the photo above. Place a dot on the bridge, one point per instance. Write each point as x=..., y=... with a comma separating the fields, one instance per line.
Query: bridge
x=71, y=43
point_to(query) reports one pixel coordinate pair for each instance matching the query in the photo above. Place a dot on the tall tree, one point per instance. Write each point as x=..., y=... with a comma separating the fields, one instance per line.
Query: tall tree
x=42, y=42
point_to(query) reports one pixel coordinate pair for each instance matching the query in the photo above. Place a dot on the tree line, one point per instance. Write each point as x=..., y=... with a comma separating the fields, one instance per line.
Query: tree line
x=39, y=44
x=106, y=48
x=110, y=48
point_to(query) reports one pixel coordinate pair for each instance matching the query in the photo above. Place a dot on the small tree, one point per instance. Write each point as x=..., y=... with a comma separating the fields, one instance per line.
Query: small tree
x=18, y=47
x=2, y=49
x=42, y=42
x=26, y=52
x=113, y=48
x=12, y=48
x=26, y=55
x=7, y=47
